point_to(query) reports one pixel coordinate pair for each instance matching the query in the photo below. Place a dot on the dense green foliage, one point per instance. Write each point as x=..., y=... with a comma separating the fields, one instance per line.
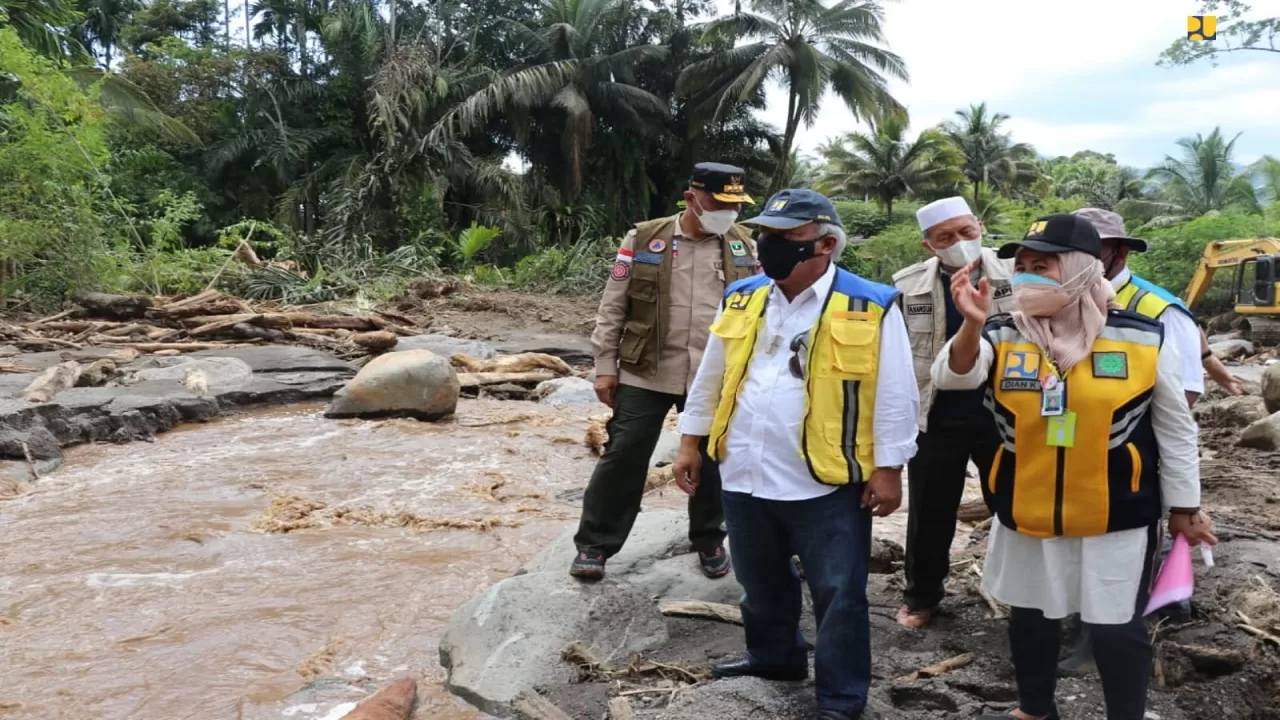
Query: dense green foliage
x=348, y=148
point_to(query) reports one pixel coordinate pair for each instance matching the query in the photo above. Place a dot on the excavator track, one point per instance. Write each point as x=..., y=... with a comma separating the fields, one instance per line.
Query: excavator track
x=1264, y=331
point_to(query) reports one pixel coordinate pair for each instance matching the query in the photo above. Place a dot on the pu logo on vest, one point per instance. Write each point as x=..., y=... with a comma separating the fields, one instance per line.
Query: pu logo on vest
x=1021, y=371
x=739, y=301
x=1202, y=27
x=919, y=309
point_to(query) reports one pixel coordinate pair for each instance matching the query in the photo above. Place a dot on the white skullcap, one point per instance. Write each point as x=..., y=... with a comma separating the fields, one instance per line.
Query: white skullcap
x=941, y=211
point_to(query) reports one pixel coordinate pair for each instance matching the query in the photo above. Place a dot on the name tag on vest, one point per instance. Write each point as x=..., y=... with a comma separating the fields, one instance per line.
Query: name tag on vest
x=744, y=261
x=920, y=309
x=1002, y=291
x=648, y=257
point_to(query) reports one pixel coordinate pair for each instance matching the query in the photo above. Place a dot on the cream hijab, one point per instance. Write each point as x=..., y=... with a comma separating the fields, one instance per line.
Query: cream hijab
x=1064, y=321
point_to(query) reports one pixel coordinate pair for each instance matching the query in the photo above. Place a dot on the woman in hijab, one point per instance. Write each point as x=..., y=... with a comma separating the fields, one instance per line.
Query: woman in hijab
x=1098, y=446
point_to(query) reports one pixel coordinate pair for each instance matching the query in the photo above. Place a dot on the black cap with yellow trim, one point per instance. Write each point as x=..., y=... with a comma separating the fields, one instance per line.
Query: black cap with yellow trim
x=725, y=183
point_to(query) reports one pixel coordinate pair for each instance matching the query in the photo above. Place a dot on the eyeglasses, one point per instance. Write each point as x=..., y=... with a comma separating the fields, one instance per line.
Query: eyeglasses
x=799, y=354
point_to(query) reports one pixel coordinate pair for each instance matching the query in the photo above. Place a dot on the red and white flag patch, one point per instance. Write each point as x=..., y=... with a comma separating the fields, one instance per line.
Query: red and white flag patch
x=625, y=255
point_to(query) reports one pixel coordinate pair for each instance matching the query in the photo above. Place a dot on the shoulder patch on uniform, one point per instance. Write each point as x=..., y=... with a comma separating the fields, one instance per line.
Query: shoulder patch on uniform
x=1111, y=365
x=648, y=257
x=621, y=271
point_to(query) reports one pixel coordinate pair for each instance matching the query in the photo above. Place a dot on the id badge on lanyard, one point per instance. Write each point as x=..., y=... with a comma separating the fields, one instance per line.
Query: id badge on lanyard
x=1061, y=429
x=1052, y=396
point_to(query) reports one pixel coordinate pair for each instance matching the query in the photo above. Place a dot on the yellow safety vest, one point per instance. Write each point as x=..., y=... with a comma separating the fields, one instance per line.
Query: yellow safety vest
x=1109, y=479
x=838, y=436
x=1147, y=299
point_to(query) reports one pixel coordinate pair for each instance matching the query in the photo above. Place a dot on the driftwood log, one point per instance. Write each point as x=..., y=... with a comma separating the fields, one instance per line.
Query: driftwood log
x=472, y=380
x=51, y=382
x=942, y=668
x=700, y=609
x=116, y=307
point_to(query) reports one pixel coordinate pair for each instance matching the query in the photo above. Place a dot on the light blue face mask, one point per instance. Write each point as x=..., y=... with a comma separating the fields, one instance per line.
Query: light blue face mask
x=1024, y=278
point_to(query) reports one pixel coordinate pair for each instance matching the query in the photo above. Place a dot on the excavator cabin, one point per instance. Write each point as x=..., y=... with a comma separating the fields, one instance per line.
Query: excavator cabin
x=1255, y=289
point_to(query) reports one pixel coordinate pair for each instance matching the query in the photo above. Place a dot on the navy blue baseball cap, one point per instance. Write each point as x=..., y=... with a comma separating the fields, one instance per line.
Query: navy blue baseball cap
x=789, y=209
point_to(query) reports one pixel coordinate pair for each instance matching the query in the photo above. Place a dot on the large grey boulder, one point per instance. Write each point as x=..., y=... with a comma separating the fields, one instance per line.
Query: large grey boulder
x=200, y=376
x=511, y=636
x=666, y=450
x=564, y=391
x=1229, y=349
x=412, y=383
x=446, y=346
x=1234, y=411
x=1271, y=387
x=656, y=561
x=1263, y=434
x=573, y=349
x=744, y=697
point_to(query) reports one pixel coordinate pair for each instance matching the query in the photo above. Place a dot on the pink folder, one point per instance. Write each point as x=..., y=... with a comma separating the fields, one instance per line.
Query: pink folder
x=1176, y=579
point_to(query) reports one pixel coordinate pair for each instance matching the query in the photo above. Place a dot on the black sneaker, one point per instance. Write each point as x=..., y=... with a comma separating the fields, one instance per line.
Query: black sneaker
x=588, y=566
x=715, y=564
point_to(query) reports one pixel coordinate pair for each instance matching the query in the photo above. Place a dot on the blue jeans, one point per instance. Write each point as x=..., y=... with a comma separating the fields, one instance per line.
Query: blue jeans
x=832, y=536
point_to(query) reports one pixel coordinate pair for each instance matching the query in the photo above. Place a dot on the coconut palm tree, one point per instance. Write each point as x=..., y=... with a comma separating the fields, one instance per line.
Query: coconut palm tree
x=103, y=20
x=39, y=24
x=807, y=46
x=1267, y=170
x=887, y=166
x=990, y=157
x=575, y=80
x=1203, y=180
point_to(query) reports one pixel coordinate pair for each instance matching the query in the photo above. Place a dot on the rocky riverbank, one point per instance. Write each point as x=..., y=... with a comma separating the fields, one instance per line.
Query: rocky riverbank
x=542, y=646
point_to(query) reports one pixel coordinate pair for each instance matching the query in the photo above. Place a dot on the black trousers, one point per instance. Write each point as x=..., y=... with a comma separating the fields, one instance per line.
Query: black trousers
x=1123, y=653
x=613, y=496
x=935, y=484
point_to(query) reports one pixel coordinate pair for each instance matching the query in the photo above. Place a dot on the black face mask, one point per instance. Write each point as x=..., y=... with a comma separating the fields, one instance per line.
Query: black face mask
x=779, y=256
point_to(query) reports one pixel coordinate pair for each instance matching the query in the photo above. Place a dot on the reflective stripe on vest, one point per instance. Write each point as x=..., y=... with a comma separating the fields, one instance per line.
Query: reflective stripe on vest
x=1107, y=481
x=1146, y=299
x=842, y=365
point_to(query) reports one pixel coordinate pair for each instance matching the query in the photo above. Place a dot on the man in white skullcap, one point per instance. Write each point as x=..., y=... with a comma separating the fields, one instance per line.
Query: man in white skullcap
x=954, y=425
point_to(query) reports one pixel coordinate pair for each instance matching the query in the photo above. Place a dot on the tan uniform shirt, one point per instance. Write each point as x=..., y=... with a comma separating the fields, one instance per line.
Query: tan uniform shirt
x=697, y=287
x=925, y=311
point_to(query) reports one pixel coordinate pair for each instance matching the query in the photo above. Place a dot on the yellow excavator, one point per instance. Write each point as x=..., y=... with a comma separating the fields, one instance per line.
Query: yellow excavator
x=1255, y=288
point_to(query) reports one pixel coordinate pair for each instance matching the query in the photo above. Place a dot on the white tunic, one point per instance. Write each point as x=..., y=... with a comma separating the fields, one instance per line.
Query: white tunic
x=762, y=446
x=1097, y=577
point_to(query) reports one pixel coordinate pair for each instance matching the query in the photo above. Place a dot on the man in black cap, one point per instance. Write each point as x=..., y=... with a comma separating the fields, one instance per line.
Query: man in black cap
x=651, y=327
x=805, y=396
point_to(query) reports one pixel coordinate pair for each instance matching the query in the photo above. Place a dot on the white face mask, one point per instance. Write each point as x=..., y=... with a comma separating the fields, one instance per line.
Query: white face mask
x=716, y=222
x=961, y=253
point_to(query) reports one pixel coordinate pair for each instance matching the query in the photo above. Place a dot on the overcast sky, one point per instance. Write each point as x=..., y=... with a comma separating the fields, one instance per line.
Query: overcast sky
x=1071, y=75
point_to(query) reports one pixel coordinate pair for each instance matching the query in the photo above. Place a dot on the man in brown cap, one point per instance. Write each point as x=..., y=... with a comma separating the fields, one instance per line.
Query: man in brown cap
x=651, y=328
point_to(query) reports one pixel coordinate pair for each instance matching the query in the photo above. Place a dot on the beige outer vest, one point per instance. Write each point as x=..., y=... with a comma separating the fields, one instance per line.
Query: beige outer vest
x=925, y=311
x=649, y=294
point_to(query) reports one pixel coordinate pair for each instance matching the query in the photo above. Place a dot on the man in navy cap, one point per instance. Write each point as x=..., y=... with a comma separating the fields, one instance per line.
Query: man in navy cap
x=805, y=397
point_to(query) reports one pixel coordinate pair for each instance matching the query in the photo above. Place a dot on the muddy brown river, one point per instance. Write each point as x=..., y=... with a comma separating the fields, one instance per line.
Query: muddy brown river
x=151, y=581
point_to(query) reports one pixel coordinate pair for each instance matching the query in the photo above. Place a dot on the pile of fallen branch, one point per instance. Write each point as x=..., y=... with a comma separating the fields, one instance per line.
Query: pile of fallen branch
x=209, y=320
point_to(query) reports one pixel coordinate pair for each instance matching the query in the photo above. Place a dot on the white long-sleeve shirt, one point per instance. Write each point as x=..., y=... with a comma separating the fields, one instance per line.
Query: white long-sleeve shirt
x=762, y=453
x=1182, y=334
x=1099, y=576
